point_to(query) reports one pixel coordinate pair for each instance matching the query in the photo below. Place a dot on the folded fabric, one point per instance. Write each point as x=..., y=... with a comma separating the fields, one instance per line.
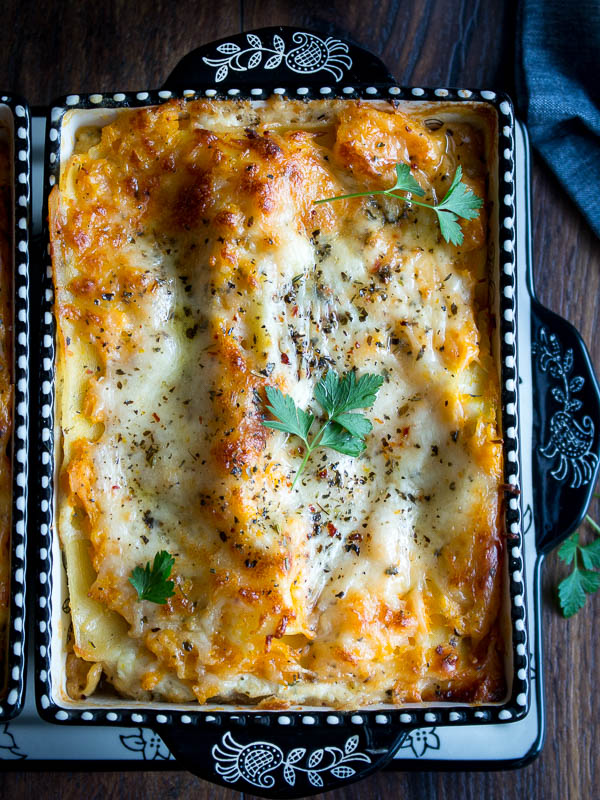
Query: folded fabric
x=558, y=91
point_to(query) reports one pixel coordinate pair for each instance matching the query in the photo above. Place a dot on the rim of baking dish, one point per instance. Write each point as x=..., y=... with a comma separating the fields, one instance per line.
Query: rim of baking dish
x=131, y=712
x=12, y=699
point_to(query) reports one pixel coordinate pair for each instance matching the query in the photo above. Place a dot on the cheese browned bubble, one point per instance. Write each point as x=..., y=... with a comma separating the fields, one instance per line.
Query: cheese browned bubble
x=192, y=270
x=5, y=392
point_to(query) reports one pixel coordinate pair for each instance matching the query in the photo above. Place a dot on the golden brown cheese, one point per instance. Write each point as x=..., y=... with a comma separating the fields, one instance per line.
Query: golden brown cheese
x=192, y=269
x=5, y=389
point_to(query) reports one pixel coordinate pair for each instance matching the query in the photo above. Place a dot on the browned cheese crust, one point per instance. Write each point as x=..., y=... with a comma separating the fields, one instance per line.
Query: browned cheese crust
x=192, y=269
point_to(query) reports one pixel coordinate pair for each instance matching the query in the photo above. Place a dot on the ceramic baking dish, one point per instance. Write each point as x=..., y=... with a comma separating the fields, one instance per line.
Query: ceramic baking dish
x=300, y=751
x=15, y=129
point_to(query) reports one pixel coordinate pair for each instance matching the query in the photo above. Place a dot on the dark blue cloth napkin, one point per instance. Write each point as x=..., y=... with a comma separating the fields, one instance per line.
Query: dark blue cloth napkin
x=558, y=86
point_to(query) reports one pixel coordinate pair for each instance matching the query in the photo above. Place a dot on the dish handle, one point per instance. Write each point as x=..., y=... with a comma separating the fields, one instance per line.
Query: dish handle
x=277, y=56
x=566, y=427
x=257, y=753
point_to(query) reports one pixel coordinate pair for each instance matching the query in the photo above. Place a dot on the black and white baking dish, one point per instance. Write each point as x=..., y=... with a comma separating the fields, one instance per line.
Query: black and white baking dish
x=297, y=752
x=15, y=126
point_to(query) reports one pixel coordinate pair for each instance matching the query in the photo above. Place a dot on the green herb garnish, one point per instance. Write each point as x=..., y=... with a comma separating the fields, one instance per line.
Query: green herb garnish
x=459, y=201
x=584, y=579
x=342, y=431
x=151, y=583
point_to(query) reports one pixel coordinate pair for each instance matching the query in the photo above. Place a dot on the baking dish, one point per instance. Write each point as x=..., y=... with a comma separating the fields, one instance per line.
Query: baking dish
x=15, y=129
x=257, y=748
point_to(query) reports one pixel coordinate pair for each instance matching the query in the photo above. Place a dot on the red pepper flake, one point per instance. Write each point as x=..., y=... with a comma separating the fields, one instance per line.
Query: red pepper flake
x=285, y=358
x=295, y=311
x=115, y=487
x=156, y=417
x=331, y=529
x=323, y=474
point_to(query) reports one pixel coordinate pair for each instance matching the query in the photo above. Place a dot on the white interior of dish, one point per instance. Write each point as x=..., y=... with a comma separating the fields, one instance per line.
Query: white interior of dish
x=72, y=122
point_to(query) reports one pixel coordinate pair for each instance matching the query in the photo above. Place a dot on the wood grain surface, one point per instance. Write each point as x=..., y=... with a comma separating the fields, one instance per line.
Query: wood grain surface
x=53, y=47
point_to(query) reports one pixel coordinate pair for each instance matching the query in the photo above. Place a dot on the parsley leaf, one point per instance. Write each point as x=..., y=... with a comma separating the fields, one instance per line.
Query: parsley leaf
x=449, y=227
x=292, y=419
x=589, y=580
x=590, y=555
x=355, y=424
x=328, y=392
x=405, y=181
x=572, y=590
x=584, y=580
x=571, y=594
x=341, y=431
x=362, y=393
x=151, y=583
x=459, y=201
x=337, y=438
x=338, y=396
x=568, y=549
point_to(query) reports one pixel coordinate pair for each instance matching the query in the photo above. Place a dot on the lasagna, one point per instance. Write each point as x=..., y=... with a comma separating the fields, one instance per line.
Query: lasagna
x=5, y=387
x=192, y=270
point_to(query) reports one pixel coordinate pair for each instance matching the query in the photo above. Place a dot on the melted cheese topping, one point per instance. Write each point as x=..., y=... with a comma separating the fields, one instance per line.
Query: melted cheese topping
x=192, y=269
x=5, y=388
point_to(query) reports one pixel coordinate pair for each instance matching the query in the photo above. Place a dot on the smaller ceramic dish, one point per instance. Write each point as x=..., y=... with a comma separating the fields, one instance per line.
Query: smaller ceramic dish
x=15, y=131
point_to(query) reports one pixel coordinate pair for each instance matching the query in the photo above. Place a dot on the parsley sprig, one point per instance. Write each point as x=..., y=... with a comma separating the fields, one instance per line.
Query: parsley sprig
x=151, y=582
x=459, y=201
x=341, y=431
x=584, y=579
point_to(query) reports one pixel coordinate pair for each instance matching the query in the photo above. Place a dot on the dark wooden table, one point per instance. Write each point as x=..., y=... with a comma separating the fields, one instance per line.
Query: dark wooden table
x=52, y=47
